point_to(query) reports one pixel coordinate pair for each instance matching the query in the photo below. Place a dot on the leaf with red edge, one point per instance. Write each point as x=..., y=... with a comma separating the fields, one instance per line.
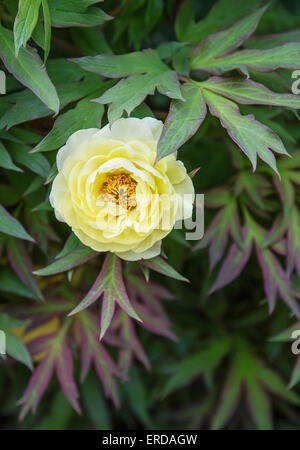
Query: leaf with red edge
x=158, y=264
x=93, y=352
x=57, y=356
x=276, y=280
x=72, y=259
x=293, y=243
x=254, y=138
x=133, y=346
x=234, y=263
x=65, y=373
x=225, y=223
x=20, y=261
x=110, y=284
x=248, y=92
x=37, y=385
x=223, y=42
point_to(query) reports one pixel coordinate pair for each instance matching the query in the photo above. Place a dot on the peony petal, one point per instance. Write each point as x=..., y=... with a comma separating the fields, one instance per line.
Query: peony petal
x=72, y=144
x=186, y=196
x=147, y=129
x=147, y=254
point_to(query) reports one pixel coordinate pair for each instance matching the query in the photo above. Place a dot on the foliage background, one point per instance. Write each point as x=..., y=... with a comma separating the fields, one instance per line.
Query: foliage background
x=231, y=365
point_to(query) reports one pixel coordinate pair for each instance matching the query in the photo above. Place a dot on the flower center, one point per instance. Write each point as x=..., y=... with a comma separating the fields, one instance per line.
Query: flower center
x=120, y=189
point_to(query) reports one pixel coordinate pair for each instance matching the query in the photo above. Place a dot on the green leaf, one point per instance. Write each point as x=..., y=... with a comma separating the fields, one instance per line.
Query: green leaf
x=295, y=376
x=8, y=322
x=259, y=405
x=6, y=161
x=10, y=225
x=275, y=384
x=228, y=400
x=250, y=135
x=153, y=12
x=273, y=40
x=136, y=393
x=94, y=403
x=86, y=114
x=11, y=283
x=183, y=120
x=17, y=350
x=26, y=106
x=28, y=69
x=160, y=265
x=223, y=14
x=168, y=49
x=69, y=261
x=249, y=92
x=47, y=28
x=147, y=72
x=205, y=361
x=20, y=261
x=25, y=22
x=71, y=244
x=285, y=56
x=91, y=41
x=227, y=40
x=36, y=163
x=132, y=91
x=72, y=13
x=118, y=66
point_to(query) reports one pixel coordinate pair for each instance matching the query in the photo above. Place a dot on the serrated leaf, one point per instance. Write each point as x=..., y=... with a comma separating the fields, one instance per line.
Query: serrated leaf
x=93, y=352
x=10, y=225
x=285, y=56
x=25, y=22
x=130, y=92
x=249, y=92
x=28, y=69
x=147, y=72
x=250, y=135
x=227, y=40
x=36, y=387
x=57, y=356
x=68, y=261
x=118, y=66
x=65, y=373
x=183, y=120
x=223, y=14
x=109, y=283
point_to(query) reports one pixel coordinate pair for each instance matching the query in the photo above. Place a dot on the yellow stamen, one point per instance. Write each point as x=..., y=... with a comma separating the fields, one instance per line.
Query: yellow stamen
x=120, y=189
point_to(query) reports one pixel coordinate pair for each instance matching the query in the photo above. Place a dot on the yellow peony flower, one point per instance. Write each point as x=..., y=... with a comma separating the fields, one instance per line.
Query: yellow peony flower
x=111, y=194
